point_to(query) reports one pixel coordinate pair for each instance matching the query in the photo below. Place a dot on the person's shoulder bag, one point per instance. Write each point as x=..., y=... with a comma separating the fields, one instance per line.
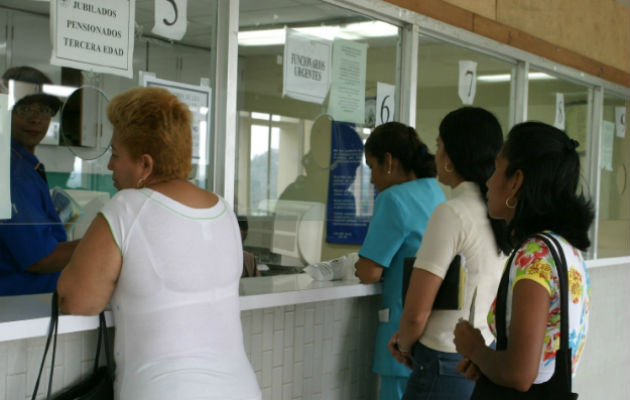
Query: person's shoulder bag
x=559, y=386
x=99, y=385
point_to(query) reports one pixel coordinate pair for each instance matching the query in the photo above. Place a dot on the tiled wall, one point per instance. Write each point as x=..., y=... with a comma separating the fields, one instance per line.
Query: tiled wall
x=313, y=351
x=20, y=361
x=317, y=350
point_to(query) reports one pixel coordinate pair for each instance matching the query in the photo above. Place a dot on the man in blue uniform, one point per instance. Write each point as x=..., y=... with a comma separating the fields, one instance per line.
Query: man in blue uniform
x=33, y=247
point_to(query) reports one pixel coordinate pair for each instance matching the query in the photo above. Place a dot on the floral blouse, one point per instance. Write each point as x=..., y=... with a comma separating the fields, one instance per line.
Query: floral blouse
x=534, y=261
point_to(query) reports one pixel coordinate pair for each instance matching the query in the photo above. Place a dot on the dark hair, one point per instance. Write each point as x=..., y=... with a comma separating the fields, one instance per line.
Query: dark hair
x=26, y=74
x=472, y=139
x=32, y=75
x=548, y=198
x=403, y=143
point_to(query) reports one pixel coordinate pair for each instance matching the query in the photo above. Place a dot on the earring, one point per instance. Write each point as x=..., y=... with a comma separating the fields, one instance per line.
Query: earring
x=140, y=183
x=508, y=205
x=389, y=172
x=448, y=170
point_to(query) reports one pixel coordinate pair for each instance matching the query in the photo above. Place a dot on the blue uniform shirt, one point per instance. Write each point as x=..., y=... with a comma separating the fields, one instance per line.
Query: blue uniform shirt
x=32, y=233
x=401, y=213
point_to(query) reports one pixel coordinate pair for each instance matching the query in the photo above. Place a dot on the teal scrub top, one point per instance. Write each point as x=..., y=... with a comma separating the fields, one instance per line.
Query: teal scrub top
x=401, y=213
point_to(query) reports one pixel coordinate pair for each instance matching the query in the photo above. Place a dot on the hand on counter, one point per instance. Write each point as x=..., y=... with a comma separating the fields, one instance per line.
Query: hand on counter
x=337, y=268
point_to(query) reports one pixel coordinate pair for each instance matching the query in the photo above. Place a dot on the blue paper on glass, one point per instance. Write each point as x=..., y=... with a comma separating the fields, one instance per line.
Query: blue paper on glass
x=343, y=224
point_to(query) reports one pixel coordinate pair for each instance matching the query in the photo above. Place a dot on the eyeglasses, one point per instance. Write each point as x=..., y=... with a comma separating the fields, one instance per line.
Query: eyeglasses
x=30, y=111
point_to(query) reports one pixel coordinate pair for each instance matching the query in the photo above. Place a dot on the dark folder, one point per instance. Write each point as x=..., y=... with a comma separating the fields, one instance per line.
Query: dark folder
x=450, y=296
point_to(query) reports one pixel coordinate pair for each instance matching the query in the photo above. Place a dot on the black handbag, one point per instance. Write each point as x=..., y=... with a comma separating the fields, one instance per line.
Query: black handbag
x=559, y=386
x=99, y=385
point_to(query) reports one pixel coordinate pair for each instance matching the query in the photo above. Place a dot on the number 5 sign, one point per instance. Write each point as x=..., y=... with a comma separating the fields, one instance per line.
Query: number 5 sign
x=384, y=103
x=467, y=81
x=170, y=19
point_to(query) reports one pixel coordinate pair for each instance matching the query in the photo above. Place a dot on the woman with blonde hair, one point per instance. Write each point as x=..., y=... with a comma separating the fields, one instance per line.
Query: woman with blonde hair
x=168, y=257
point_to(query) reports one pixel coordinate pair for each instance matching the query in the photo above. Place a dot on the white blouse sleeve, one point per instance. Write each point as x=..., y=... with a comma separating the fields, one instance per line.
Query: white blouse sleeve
x=442, y=240
x=120, y=212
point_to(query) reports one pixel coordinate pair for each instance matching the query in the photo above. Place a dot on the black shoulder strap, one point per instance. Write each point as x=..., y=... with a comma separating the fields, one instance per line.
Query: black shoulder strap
x=500, y=310
x=52, y=336
x=562, y=268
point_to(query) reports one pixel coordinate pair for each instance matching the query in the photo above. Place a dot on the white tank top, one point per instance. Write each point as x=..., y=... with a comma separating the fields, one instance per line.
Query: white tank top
x=176, y=304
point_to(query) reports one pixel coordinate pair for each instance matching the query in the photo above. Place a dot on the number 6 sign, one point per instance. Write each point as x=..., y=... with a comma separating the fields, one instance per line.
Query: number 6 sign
x=385, y=95
x=170, y=18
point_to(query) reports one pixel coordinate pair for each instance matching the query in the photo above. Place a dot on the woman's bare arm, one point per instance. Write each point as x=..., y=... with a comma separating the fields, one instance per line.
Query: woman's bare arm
x=87, y=283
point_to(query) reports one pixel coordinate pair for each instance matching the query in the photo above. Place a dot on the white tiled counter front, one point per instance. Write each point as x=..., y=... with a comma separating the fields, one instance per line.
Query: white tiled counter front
x=305, y=339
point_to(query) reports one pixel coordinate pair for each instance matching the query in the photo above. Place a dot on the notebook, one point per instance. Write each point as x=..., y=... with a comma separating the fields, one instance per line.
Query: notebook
x=450, y=296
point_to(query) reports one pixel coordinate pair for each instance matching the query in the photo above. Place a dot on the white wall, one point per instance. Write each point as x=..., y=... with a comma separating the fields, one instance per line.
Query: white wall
x=604, y=371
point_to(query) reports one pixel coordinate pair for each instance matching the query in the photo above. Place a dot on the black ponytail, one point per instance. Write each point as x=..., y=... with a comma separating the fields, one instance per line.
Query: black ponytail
x=472, y=139
x=548, y=198
x=403, y=143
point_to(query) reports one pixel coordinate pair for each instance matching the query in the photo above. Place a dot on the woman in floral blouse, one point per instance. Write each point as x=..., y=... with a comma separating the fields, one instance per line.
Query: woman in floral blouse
x=534, y=188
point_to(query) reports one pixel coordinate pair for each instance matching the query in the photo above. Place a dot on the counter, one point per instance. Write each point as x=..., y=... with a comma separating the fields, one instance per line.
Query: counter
x=305, y=339
x=27, y=316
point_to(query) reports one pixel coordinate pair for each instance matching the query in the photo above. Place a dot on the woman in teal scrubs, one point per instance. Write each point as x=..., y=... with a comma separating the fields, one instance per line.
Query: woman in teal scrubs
x=403, y=171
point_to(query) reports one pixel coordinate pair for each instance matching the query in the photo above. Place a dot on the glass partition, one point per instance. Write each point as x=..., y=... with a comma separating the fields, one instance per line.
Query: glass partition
x=75, y=157
x=438, y=86
x=299, y=154
x=564, y=104
x=614, y=194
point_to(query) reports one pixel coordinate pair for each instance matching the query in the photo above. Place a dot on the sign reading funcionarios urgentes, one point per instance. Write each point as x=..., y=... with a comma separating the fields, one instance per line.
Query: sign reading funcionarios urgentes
x=93, y=35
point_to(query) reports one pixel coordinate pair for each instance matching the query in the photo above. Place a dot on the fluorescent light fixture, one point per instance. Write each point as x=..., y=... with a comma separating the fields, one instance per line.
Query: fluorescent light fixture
x=532, y=76
x=372, y=29
x=58, y=90
x=359, y=30
x=267, y=37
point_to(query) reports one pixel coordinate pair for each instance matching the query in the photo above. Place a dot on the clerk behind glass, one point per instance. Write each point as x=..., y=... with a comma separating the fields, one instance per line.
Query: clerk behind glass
x=33, y=247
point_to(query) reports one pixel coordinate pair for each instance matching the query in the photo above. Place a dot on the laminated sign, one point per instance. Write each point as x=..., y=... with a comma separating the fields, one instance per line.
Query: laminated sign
x=306, y=67
x=93, y=35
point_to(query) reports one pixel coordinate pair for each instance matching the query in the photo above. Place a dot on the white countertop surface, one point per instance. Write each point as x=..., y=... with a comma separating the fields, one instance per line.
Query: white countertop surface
x=28, y=316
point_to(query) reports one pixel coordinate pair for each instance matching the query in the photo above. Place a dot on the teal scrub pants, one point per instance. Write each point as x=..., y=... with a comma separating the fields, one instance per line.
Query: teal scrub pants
x=392, y=387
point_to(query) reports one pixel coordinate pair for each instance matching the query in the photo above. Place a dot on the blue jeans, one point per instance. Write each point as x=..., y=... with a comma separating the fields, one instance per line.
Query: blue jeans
x=434, y=376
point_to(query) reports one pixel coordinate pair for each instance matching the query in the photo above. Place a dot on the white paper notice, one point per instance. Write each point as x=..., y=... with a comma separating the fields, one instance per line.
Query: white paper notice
x=347, y=93
x=198, y=99
x=93, y=35
x=5, y=157
x=307, y=67
x=385, y=96
x=620, y=121
x=560, y=120
x=467, y=81
x=170, y=19
x=608, y=136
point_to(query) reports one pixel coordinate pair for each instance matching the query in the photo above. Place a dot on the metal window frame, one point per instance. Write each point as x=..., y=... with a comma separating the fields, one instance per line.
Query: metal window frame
x=226, y=114
x=412, y=25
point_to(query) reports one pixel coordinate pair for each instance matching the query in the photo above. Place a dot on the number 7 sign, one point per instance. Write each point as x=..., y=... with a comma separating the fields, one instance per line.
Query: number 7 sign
x=467, y=81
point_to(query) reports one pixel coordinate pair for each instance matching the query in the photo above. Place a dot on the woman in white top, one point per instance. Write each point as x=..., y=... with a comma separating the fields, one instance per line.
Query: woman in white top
x=168, y=256
x=468, y=143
